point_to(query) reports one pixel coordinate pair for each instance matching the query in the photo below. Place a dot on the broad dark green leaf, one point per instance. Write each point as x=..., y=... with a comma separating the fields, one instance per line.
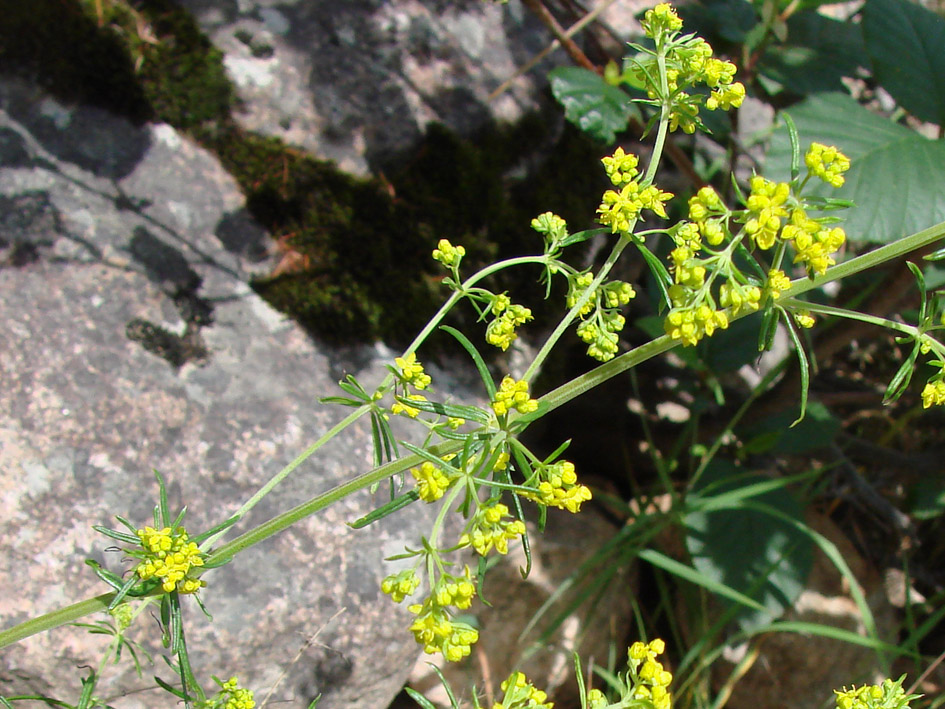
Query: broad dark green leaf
x=817, y=53
x=754, y=553
x=927, y=498
x=729, y=20
x=774, y=434
x=590, y=103
x=896, y=175
x=907, y=45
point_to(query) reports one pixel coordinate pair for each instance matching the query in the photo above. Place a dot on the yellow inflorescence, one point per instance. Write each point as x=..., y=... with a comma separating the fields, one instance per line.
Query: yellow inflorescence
x=521, y=694
x=493, y=527
x=447, y=254
x=934, y=392
x=412, y=371
x=652, y=679
x=511, y=395
x=432, y=482
x=170, y=556
x=827, y=163
x=560, y=488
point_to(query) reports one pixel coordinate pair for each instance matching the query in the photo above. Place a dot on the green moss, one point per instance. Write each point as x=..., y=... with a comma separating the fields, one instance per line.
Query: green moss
x=366, y=244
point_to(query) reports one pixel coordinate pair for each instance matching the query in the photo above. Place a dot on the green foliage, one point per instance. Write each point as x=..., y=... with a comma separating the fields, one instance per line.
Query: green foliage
x=771, y=559
x=723, y=283
x=905, y=42
x=895, y=175
x=593, y=105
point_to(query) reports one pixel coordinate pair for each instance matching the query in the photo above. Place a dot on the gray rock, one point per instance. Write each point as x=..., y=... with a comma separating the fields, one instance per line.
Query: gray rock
x=133, y=342
x=357, y=81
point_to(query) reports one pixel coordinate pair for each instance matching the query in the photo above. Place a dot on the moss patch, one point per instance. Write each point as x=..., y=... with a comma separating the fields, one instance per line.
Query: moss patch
x=361, y=248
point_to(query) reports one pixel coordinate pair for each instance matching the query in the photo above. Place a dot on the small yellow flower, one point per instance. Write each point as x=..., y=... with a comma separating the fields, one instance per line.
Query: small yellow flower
x=513, y=394
x=447, y=254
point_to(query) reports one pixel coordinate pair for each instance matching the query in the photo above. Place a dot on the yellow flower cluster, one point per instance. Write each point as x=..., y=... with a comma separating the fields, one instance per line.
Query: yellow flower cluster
x=619, y=210
x=447, y=254
x=689, y=61
x=766, y=207
x=816, y=251
x=435, y=629
x=230, y=696
x=238, y=698
x=621, y=167
x=688, y=325
x=777, y=282
x=558, y=487
x=740, y=298
x=513, y=394
x=600, y=330
x=652, y=680
x=170, y=556
x=827, y=163
x=400, y=585
x=703, y=205
x=432, y=482
x=888, y=695
x=934, y=392
x=501, y=331
x=576, y=288
x=521, y=694
x=493, y=526
x=804, y=319
x=411, y=371
x=662, y=18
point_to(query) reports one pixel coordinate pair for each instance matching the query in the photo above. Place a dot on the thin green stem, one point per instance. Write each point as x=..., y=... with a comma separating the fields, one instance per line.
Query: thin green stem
x=554, y=399
x=621, y=244
x=56, y=618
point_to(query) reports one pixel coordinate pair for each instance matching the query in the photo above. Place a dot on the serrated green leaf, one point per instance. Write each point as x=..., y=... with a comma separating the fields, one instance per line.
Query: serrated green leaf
x=896, y=175
x=590, y=103
x=818, y=52
x=906, y=43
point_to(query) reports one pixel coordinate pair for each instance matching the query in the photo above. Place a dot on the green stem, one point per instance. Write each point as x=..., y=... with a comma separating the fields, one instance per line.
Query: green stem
x=56, y=618
x=554, y=399
x=621, y=244
x=287, y=470
x=904, y=328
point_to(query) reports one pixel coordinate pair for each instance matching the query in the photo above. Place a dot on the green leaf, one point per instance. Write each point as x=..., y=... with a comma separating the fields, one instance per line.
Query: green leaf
x=590, y=103
x=476, y=358
x=817, y=430
x=696, y=576
x=896, y=175
x=907, y=45
x=394, y=505
x=730, y=20
x=927, y=498
x=755, y=554
x=818, y=53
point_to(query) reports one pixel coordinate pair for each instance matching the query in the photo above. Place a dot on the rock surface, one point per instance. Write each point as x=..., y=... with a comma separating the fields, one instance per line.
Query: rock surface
x=357, y=81
x=132, y=342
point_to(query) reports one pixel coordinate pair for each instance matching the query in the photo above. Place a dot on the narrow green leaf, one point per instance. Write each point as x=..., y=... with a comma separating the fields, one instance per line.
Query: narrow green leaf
x=476, y=357
x=419, y=698
x=795, y=147
x=394, y=505
x=687, y=573
x=900, y=382
x=583, y=236
x=116, y=535
x=906, y=43
x=803, y=366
